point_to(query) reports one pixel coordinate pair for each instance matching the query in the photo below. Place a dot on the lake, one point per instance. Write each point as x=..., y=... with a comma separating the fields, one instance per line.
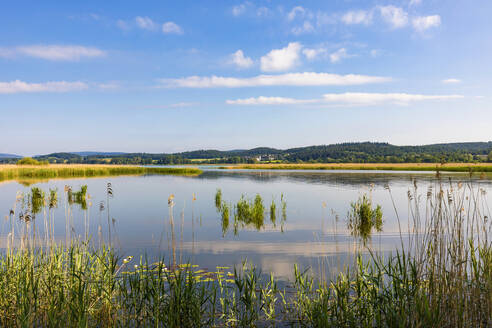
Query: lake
x=313, y=234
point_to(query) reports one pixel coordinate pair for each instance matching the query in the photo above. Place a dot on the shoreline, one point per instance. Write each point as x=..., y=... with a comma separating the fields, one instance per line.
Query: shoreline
x=449, y=167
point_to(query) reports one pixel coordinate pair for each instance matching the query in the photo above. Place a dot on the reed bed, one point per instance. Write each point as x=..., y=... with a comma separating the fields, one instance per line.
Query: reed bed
x=11, y=172
x=440, y=277
x=449, y=167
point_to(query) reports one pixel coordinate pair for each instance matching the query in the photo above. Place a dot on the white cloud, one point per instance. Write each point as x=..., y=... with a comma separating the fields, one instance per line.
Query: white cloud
x=451, y=81
x=18, y=86
x=349, y=98
x=239, y=9
x=58, y=52
x=423, y=23
x=269, y=101
x=145, y=23
x=395, y=16
x=281, y=59
x=171, y=28
x=307, y=27
x=415, y=2
x=290, y=79
x=369, y=99
x=297, y=12
x=339, y=55
x=240, y=60
x=357, y=17
x=312, y=54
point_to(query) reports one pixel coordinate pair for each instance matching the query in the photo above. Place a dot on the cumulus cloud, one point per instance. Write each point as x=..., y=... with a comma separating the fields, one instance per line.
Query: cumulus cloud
x=240, y=60
x=338, y=55
x=289, y=79
x=396, y=17
x=145, y=23
x=171, y=28
x=53, y=52
x=349, y=98
x=312, y=53
x=357, y=17
x=281, y=59
x=18, y=86
x=423, y=23
x=451, y=81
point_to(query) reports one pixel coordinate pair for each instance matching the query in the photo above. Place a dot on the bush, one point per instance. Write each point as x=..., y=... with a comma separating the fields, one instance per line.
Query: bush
x=31, y=161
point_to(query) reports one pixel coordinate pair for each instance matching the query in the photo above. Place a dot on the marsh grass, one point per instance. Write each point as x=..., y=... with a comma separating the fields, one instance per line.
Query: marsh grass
x=13, y=172
x=363, y=218
x=441, y=277
x=248, y=213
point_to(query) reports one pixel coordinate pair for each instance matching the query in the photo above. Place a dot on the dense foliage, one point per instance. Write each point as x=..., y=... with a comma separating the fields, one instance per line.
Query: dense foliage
x=31, y=161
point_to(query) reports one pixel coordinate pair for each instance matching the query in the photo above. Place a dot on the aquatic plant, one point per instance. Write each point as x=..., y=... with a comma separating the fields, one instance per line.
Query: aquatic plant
x=248, y=213
x=273, y=214
x=218, y=199
x=363, y=218
x=37, y=200
x=225, y=211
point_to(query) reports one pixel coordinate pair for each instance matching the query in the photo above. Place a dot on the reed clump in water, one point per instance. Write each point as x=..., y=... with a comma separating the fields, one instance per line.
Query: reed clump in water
x=363, y=218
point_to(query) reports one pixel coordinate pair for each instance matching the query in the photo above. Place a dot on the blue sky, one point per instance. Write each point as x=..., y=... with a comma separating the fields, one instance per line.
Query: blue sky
x=167, y=76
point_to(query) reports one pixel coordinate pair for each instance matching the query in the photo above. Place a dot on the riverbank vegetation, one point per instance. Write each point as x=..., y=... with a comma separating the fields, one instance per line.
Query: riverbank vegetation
x=441, y=276
x=11, y=172
x=449, y=167
x=31, y=161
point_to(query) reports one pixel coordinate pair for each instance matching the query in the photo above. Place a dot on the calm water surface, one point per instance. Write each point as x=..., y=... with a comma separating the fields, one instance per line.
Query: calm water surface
x=314, y=234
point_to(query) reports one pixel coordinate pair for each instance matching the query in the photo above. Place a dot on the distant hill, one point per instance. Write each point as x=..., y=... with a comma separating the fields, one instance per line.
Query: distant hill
x=354, y=152
x=97, y=153
x=9, y=156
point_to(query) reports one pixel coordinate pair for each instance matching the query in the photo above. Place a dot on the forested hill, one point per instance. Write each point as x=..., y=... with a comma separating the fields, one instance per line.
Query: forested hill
x=362, y=152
